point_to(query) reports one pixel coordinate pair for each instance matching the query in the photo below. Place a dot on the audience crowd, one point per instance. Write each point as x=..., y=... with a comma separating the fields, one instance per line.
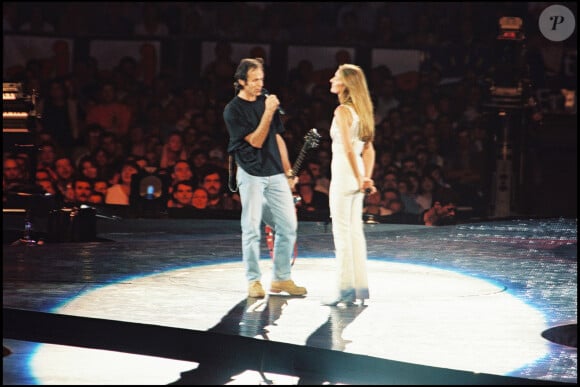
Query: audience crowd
x=97, y=131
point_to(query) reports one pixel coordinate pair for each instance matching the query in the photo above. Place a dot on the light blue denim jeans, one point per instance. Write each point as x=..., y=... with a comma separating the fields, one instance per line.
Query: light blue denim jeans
x=268, y=199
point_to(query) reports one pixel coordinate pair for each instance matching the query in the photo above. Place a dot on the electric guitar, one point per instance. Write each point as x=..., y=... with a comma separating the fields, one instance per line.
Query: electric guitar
x=311, y=141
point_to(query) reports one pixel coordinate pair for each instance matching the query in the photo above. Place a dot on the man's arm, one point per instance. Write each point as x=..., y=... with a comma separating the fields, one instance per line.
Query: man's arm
x=286, y=161
x=258, y=136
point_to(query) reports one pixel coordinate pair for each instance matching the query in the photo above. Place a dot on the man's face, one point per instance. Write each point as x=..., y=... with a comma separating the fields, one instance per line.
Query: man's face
x=64, y=169
x=212, y=184
x=390, y=181
x=100, y=186
x=46, y=186
x=12, y=170
x=254, y=82
x=82, y=191
x=183, y=194
x=182, y=171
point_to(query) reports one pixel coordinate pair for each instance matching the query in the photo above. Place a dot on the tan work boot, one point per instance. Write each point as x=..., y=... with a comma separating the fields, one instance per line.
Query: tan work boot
x=287, y=286
x=256, y=290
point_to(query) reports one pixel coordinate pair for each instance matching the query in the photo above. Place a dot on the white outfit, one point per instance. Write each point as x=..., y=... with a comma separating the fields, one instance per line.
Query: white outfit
x=346, y=207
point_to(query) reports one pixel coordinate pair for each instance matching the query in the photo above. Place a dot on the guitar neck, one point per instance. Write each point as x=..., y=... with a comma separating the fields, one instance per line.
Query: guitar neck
x=311, y=141
x=298, y=162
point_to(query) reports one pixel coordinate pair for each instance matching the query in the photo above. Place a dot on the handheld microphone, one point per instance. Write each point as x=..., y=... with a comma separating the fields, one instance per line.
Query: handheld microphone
x=266, y=93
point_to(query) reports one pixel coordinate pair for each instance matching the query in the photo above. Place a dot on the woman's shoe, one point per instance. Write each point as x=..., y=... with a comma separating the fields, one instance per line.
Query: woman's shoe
x=331, y=303
x=346, y=297
x=337, y=302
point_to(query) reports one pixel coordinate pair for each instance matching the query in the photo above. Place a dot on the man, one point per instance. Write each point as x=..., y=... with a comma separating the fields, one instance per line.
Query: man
x=442, y=211
x=218, y=199
x=255, y=128
x=82, y=190
x=182, y=194
x=13, y=174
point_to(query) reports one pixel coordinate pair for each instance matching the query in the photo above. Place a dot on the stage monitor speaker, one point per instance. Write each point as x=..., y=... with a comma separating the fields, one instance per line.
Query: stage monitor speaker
x=149, y=195
x=77, y=224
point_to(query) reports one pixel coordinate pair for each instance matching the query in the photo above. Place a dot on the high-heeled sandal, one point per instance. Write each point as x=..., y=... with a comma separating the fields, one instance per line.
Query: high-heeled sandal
x=337, y=302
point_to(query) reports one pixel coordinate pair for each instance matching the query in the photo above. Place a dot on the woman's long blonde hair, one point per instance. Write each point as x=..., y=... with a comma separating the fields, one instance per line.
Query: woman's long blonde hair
x=356, y=94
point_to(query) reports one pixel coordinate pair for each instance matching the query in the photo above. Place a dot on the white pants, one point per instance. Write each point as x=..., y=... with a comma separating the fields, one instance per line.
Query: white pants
x=346, y=205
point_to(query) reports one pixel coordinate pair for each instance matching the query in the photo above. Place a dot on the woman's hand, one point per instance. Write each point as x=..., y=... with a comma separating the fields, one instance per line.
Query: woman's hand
x=367, y=185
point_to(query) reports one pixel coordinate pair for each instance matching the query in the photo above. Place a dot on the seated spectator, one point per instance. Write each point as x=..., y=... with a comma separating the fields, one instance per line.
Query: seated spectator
x=442, y=212
x=320, y=178
x=424, y=197
x=212, y=179
x=110, y=113
x=119, y=193
x=47, y=185
x=389, y=194
x=408, y=198
x=65, y=172
x=96, y=198
x=14, y=176
x=181, y=195
x=82, y=188
x=307, y=199
x=181, y=171
x=198, y=161
x=373, y=207
x=172, y=151
x=200, y=198
x=312, y=203
x=390, y=180
x=88, y=168
x=101, y=186
x=396, y=206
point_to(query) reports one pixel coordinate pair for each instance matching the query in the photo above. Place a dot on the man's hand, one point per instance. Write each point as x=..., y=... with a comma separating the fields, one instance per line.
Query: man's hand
x=292, y=180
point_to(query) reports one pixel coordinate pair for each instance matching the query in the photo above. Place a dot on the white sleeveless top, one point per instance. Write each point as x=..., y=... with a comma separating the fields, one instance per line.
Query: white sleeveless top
x=338, y=141
x=343, y=178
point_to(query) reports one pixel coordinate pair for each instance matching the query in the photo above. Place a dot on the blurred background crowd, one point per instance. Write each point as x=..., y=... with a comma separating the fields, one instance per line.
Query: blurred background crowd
x=145, y=137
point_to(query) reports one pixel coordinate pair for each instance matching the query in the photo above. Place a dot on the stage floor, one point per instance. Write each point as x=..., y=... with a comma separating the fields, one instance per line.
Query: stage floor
x=163, y=301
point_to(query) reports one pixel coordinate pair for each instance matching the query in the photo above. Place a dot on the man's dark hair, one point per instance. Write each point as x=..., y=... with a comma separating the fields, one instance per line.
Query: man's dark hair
x=246, y=65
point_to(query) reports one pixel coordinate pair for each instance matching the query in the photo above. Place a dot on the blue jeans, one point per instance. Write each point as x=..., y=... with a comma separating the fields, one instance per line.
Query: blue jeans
x=267, y=199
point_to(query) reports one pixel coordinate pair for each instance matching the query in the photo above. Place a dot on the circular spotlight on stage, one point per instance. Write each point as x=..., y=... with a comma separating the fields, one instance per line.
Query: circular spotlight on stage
x=418, y=314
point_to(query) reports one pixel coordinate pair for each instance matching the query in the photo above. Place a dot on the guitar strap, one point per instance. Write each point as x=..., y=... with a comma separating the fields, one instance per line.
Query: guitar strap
x=232, y=184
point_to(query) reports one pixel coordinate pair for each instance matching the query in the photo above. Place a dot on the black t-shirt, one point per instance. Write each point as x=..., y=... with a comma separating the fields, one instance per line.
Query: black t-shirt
x=242, y=118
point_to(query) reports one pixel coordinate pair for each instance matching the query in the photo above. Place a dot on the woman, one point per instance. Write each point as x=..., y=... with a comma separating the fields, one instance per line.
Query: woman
x=353, y=157
x=120, y=193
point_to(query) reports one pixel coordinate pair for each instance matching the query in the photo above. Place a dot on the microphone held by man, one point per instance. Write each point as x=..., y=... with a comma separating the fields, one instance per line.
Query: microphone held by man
x=266, y=93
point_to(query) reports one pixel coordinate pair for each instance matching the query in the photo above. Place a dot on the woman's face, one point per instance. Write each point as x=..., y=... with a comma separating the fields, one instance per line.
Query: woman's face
x=336, y=83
